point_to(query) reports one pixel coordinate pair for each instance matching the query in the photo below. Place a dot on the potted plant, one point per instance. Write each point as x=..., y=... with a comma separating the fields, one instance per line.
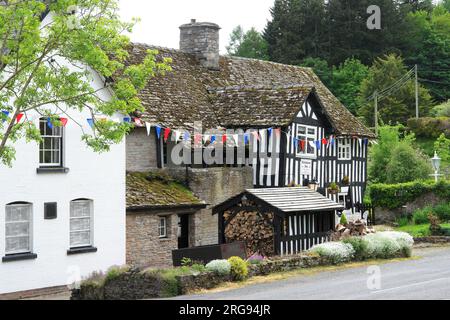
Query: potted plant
x=333, y=188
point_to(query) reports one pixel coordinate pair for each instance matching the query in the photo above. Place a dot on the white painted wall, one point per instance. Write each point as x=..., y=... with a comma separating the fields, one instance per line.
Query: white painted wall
x=100, y=177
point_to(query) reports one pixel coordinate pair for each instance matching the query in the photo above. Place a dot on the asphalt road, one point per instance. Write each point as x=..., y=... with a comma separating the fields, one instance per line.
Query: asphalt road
x=424, y=278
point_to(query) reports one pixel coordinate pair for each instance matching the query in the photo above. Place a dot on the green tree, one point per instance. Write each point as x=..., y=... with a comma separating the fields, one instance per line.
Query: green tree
x=394, y=159
x=347, y=79
x=321, y=68
x=248, y=44
x=407, y=164
x=399, y=105
x=426, y=42
x=297, y=31
x=442, y=147
x=442, y=110
x=43, y=67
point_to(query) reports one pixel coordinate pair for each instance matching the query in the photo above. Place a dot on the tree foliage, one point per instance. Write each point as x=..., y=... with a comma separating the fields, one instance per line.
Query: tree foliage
x=248, y=44
x=401, y=104
x=46, y=69
x=395, y=160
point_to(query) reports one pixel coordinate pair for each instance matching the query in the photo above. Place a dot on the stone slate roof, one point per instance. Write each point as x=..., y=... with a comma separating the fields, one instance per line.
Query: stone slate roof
x=154, y=190
x=192, y=93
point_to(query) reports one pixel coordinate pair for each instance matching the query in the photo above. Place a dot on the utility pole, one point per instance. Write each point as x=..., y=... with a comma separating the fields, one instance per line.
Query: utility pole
x=376, y=111
x=417, y=92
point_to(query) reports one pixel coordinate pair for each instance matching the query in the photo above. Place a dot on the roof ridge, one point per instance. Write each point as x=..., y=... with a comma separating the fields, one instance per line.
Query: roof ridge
x=262, y=87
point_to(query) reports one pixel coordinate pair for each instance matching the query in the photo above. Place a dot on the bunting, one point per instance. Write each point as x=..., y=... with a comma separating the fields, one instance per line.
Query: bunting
x=90, y=122
x=158, y=131
x=19, y=117
x=148, y=126
x=64, y=121
x=50, y=124
x=166, y=134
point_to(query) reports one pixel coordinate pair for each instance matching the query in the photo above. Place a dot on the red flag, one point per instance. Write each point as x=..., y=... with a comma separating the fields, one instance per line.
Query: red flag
x=198, y=138
x=256, y=135
x=224, y=139
x=63, y=121
x=324, y=141
x=302, y=144
x=19, y=117
x=166, y=134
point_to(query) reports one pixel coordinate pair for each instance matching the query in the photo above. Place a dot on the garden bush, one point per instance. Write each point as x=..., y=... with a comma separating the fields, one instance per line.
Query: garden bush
x=420, y=216
x=391, y=244
x=402, y=221
x=239, y=269
x=393, y=196
x=430, y=127
x=255, y=259
x=443, y=212
x=115, y=271
x=359, y=245
x=343, y=220
x=335, y=252
x=220, y=267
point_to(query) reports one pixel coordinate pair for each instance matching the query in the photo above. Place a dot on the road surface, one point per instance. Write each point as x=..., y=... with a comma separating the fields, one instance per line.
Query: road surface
x=424, y=278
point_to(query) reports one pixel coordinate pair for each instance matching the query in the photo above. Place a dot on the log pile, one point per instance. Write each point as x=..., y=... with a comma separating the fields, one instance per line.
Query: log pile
x=253, y=228
x=357, y=228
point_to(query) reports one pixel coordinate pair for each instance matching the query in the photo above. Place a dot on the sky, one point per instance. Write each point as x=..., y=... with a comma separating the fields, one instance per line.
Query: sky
x=160, y=19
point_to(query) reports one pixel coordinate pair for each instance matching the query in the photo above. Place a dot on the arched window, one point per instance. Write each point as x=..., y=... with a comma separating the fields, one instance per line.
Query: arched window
x=81, y=223
x=18, y=228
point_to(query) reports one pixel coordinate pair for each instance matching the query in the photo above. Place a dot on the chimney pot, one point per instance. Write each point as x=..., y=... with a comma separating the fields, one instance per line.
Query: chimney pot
x=202, y=40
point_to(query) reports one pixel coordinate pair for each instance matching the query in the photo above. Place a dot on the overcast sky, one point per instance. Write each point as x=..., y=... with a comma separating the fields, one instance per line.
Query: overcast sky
x=160, y=19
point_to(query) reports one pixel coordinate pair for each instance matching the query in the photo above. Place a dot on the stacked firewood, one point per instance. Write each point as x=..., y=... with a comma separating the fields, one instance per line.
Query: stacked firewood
x=357, y=228
x=254, y=229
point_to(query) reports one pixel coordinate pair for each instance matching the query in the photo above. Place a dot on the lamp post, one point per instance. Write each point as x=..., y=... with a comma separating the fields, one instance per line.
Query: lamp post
x=436, y=162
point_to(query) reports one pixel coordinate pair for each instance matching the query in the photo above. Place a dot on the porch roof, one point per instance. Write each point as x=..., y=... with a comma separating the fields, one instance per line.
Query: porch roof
x=296, y=199
x=284, y=200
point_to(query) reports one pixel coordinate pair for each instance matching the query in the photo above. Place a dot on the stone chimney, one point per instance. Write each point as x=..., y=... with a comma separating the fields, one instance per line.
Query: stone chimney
x=201, y=39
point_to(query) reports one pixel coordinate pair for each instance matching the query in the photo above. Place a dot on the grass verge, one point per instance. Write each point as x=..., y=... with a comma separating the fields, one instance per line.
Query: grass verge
x=421, y=230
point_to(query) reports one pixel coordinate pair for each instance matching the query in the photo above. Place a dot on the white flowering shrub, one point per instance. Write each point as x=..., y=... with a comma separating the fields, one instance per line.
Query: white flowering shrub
x=384, y=245
x=335, y=252
x=220, y=267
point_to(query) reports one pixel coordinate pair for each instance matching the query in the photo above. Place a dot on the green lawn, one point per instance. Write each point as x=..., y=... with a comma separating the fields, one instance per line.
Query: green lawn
x=421, y=230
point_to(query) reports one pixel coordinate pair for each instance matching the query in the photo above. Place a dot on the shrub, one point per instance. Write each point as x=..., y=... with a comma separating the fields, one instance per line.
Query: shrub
x=335, y=252
x=385, y=245
x=115, y=271
x=430, y=127
x=343, y=220
x=392, y=196
x=402, y=221
x=443, y=212
x=359, y=245
x=255, y=259
x=420, y=216
x=239, y=270
x=220, y=267
x=199, y=268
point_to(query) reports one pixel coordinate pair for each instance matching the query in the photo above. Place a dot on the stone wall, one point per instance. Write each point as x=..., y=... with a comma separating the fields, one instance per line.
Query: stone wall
x=144, y=247
x=141, y=151
x=387, y=216
x=214, y=186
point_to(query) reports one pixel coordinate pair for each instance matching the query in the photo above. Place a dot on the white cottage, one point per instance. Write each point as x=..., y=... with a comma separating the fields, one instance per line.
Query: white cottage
x=62, y=207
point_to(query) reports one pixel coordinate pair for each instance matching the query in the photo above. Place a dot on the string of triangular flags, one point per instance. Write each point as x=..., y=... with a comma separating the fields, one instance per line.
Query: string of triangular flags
x=165, y=133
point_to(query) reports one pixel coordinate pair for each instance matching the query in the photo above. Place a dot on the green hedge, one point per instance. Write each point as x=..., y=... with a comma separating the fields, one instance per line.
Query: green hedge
x=430, y=127
x=394, y=196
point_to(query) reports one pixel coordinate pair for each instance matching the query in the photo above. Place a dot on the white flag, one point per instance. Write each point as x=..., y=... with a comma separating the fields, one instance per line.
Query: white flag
x=236, y=139
x=149, y=127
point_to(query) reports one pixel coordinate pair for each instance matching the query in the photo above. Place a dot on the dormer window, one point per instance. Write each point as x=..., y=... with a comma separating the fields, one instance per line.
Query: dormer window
x=51, y=146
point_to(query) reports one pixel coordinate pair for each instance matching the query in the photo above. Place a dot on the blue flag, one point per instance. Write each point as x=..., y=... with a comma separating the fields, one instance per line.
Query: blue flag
x=91, y=123
x=270, y=131
x=246, y=138
x=186, y=136
x=49, y=123
x=318, y=144
x=213, y=139
x=158, y=131
x=6, y=113
x=127, y=119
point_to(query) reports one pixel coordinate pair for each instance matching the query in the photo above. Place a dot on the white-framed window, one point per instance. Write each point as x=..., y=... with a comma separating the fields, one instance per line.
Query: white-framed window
x=81, y=223
x=162, y=227
x=18, y=225
x=51, y=146
x=307, y=134
x=345, y=149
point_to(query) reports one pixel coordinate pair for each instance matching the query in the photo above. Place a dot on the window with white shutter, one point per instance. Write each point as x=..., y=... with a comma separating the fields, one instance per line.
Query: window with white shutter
x=18, y=224
x=81, y=223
